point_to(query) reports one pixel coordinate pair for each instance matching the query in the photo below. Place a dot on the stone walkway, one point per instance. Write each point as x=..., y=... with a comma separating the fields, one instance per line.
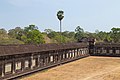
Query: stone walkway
x=90, y=68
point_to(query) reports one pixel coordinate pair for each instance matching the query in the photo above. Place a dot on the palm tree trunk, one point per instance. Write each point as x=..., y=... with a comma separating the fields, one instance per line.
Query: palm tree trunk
x=60, y=31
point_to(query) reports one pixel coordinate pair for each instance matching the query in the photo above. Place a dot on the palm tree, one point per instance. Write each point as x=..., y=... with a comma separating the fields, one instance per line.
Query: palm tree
x=60, y=16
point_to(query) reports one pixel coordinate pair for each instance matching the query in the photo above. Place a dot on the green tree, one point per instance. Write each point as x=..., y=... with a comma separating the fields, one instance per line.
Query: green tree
x=32, y=35
x=12, y=33
x=52, y=34
x=65, y=33
x=48, y=31
x=68, y=36
x=79, y=33
x=16, y=33
x=71, y=35
x=102, y=36
x=3, y=34
x=115, y=34
x=60, y=15
x=30, y=28
x=3, y=31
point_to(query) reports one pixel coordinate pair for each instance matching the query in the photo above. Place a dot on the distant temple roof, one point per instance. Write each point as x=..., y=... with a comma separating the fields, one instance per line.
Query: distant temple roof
x=85, y=39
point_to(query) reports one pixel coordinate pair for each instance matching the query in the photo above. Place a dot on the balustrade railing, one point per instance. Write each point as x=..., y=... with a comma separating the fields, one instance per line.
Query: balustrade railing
x=17, y=60
x=106, y=49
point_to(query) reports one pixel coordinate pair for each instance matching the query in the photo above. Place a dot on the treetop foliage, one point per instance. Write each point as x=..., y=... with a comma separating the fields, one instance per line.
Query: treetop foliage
x=60, y=15
x=32, y=35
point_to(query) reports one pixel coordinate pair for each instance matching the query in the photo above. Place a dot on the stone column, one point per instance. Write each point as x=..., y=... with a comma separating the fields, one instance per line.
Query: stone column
x=13, y=66
x=31, y=58
x=22, y=64
x=38, y=62
x=2, y=70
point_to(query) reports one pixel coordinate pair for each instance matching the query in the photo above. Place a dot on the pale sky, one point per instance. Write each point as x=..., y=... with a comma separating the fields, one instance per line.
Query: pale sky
x=89, y=14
